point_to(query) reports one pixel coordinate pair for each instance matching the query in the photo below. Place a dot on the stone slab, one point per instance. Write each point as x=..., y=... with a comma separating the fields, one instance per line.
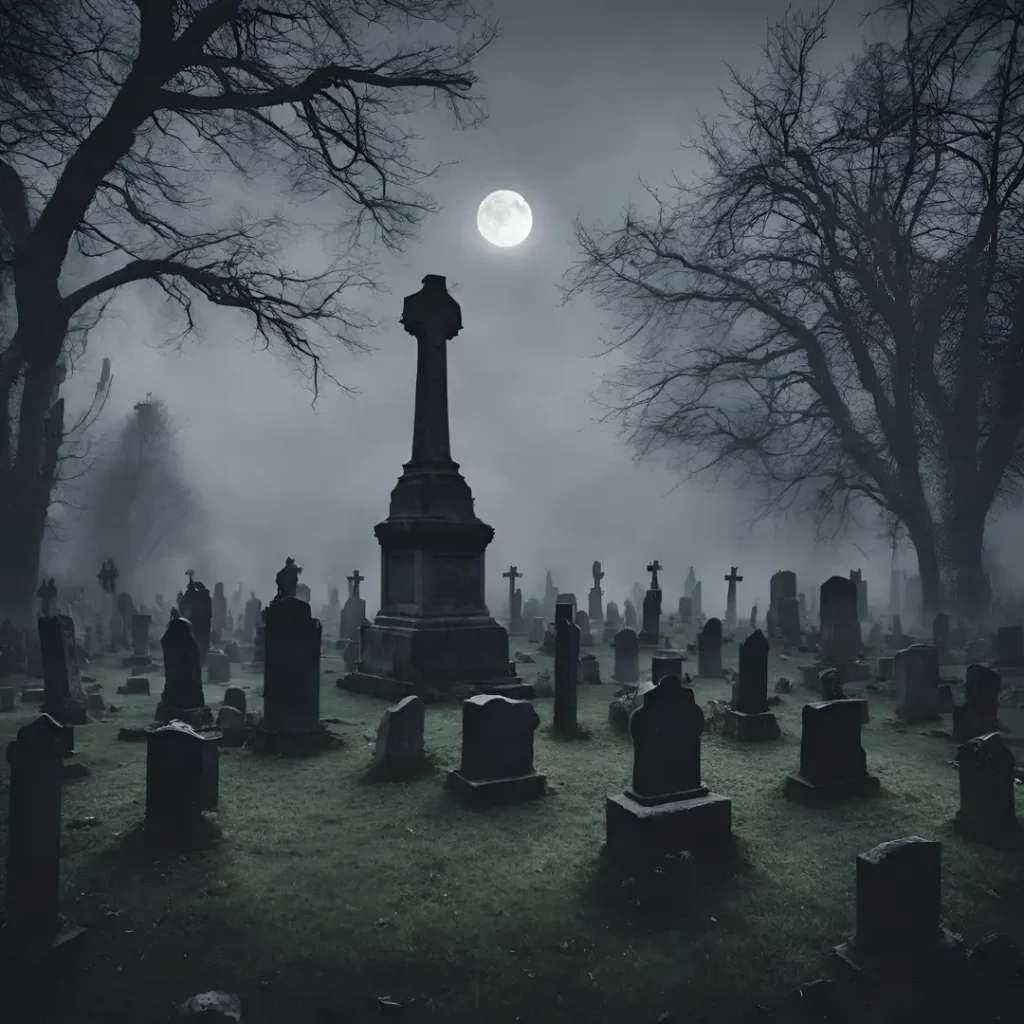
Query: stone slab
x=496, y=792
x=702, y=825
x=750, y=728
x=803, y=791
x=890, y=963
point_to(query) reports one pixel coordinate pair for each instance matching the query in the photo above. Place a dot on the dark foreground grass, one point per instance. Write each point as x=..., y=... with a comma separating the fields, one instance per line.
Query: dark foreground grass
x=323, y=892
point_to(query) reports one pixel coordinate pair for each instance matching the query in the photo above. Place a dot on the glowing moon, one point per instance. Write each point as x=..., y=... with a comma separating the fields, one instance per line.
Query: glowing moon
x=504, y=218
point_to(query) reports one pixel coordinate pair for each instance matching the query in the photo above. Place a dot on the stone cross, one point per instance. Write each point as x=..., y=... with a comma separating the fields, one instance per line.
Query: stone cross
x=190, y=573
x=433, y=318
x=512, y=575
x=654, y=568
x=355, y=579
x=598, y=575
x=730, y=598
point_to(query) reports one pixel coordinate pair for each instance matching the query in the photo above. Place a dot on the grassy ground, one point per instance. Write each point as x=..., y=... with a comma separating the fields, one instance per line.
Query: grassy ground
x=325, y=893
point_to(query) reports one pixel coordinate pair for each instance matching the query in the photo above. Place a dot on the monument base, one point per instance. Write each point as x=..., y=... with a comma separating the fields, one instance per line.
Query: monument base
x=391, y=689
x=750, y=728
x=495, y=792
x=289, y=744
x=888, y=962
x=647, y=639
x=812, y=794
x=701, y=824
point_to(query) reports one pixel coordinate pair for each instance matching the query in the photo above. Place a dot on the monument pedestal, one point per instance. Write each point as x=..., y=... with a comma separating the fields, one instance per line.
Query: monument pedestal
x=495, y=792
x=814, y=794
x=700, y=822
x=903, y=961
x=645, y=639
x=750, y=728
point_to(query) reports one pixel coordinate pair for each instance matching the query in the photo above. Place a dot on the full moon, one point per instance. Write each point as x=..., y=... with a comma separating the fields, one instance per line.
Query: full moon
x=504, y=218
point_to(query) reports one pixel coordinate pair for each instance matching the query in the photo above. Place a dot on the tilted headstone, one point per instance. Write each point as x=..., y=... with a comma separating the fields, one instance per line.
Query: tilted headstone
x=709, y=650
x=497, y=751
x=64, y=698
x=987, y=780
x=399, y=752
x=917, y=683
x=627, y=657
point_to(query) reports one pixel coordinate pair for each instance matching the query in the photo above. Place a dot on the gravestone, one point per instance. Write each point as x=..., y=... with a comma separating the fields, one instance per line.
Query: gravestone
x=730, y=597
x=667, y=809
x=749, y=718
x=753, y=619
x=832, y=761
x=547, y=645
x=64, y=699
x=899, y=905
x=583, y=623
x=398, y=752
x=685, y=610
x=987, y=780
x=253, y=608
x=840, y=627
x=629, y=613
x=291, y=680
x=531, y=609
x=650, y=628
x=234, y=697
x=183, y=673
x=590, y=669
x=536, y=630
x=1009, y=647
x=698, y=600
x=665, y=664
x=182, y=780
x=32, y=905
x=627, y=657
x=140, y=656
x=709, y=650
x=125, y=611
x=219, y=619
x=218, y=667
x=861, y=588
x=595, y=608
x=785, y=607
x=515, y=607
x=917, y=684
x=979, y=714
x=567, y=658
x=568, y=598
x=197, y=606
x=497, y=751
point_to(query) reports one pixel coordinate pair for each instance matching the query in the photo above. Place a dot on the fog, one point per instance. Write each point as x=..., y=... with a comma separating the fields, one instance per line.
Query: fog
x=585, y=98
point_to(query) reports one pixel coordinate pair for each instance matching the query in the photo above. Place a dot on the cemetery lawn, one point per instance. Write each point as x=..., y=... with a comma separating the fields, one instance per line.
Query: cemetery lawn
x=325, y=893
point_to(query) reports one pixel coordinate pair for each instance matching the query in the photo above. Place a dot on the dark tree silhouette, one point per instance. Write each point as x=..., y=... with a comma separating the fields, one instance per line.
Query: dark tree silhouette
x=121, y=125
x=836, y=307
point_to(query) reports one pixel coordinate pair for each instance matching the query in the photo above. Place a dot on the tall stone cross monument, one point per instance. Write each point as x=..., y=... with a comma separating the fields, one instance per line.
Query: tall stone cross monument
x=730, y=598
x=434, y=633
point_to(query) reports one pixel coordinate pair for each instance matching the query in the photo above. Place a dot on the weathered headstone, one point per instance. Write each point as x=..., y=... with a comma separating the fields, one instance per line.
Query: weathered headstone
x=861, y=590
x=183, y=673
x=1009, y=647
x=832, y=761
x=709, y=650
x=840, y=624
x=253, y=608
x=398, y=752
x=685, y=611
x=665, y=664
x=140, y=656
x=497, y=751
x=567, y=657
x=291, y=680
x=899, y=898
x=536, y=630
x=32, y=908
x=987, y=780
x=218, y=667
x=667, y=808
x=590, y=669
x=583, y=623
x=650, y=628
x=917, y=684
x=979, y=714
x=64, y=698
x=749, y=718
x=234, y=697
x=515, y=612
x=730, y=598
x=182, y=780
x=629, y=613
x=197, y=606
x=627, y=657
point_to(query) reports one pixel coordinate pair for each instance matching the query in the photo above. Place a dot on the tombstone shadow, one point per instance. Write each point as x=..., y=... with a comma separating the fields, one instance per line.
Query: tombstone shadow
x=1010, y=840
x=663, y=893
x=144, y=845
x=374, y=775
x=556, y=736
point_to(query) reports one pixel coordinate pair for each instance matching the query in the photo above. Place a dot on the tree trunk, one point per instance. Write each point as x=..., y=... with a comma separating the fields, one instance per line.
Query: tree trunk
x=922, y=536
x=964, y=539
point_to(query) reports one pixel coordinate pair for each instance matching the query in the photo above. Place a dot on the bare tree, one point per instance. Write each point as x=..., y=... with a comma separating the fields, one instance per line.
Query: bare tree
x=139, y=505
x=835, y=308
x=148, y=111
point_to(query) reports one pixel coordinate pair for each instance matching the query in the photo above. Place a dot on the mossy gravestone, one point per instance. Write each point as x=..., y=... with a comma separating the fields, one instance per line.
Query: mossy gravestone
x=987, y=780
x=497, y=751
x=183, y=673
x=979, y=714
x=399, y=749
x=667, y=808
